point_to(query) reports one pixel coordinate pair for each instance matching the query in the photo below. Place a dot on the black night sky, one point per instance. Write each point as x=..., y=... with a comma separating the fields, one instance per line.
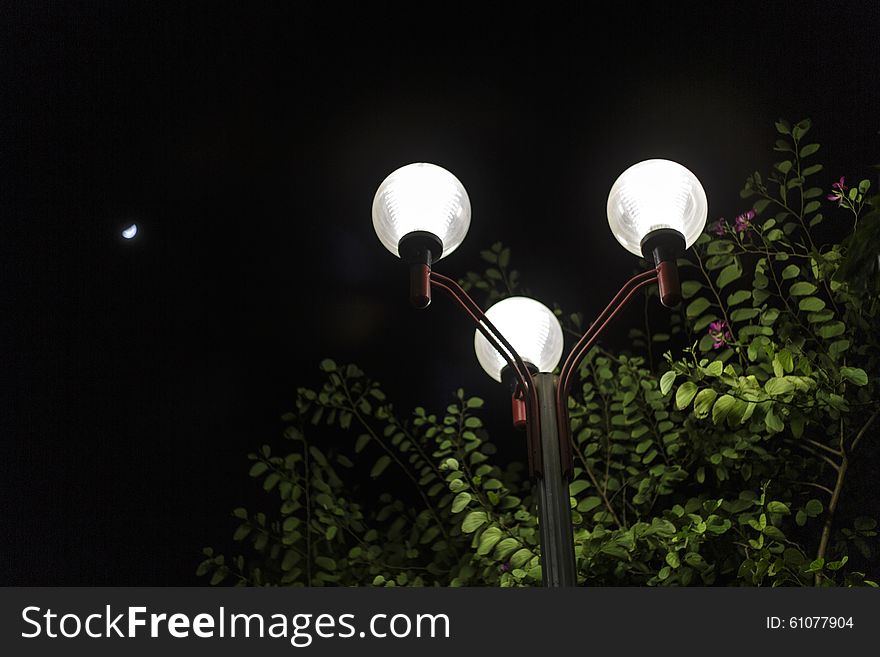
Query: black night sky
x=247, y=140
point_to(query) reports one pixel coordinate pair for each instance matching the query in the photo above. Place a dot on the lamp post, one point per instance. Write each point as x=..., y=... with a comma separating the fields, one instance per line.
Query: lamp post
x=421, y=213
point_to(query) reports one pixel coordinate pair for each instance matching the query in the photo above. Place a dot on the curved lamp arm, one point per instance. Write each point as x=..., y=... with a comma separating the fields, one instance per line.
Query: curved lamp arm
x=586, y=342
x=503, y=347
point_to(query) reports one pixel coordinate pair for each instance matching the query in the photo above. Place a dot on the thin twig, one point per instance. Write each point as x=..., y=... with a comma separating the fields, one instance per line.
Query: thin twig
x=830, y=450
x=815, y=485
x=832, y=507
x=863, y=431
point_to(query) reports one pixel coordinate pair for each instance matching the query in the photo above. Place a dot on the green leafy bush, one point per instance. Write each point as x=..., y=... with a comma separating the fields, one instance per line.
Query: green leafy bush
x=724, y=462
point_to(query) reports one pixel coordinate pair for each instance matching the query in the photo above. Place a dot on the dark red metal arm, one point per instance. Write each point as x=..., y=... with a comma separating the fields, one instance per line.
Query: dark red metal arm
x=588, y=338
x=583, y=346
x=503, y=347
x=578, y=351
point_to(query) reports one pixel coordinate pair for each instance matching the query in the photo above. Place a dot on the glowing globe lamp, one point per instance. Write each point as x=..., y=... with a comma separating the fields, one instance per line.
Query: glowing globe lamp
x=532, y=330
x=657, y=201
x=424, y=199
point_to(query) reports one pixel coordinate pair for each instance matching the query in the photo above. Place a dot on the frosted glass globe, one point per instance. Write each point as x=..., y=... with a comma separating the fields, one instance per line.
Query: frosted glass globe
x=656, y=194
x=530, y=327
x=421, y=197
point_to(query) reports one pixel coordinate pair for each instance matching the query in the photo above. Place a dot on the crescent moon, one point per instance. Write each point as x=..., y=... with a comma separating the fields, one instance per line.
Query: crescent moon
x=130, y=232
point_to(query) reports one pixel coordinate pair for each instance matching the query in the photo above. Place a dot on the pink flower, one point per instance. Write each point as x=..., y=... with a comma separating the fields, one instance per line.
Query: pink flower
x=720, y=333
x=743, y=221
x=717, y=228
x=838, y=189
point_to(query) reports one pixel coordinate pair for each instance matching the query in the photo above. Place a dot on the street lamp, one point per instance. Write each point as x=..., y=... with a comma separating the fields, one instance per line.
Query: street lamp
x=656, y=209
x=421, y=213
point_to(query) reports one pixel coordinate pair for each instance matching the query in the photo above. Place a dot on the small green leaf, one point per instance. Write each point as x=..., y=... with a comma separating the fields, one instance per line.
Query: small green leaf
x=808, y=150
x=778, y=507
x=778, y=386
x=831, y=330
x=801, y=289
x=785, y=359
x=744, y=314
x=761, y=205
x=461, y=501
x=784, y=166
x=722, y=408
x=816, y=565
x=729, y=274
x=666, y=381
x=801, y=128
x=773, y=423
x=689, y=288
x=855, y=375
x=837, y=565
x=811, y=304
x=506, y=547
x=317, y=455
x=696, y=307
x=520, y=557
x=703, y=402
x=326, y=563
x=258, y=468
x=813, y=507
x=504, y=258
x=578, y=486
x=361, y=442
x=588, y=504
x=473, y=521
x=838, y=347
x=820, y=316
x=773, y=532
x=488, y=540
x=685, y=394
x=380, y=465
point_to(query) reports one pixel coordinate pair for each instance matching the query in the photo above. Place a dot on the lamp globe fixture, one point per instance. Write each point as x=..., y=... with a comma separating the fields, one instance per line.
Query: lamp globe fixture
x=657, y=202
x=532, y=330
x=424, y=205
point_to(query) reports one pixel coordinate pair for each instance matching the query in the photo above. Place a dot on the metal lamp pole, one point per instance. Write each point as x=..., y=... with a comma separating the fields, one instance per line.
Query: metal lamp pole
x=554, y=511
